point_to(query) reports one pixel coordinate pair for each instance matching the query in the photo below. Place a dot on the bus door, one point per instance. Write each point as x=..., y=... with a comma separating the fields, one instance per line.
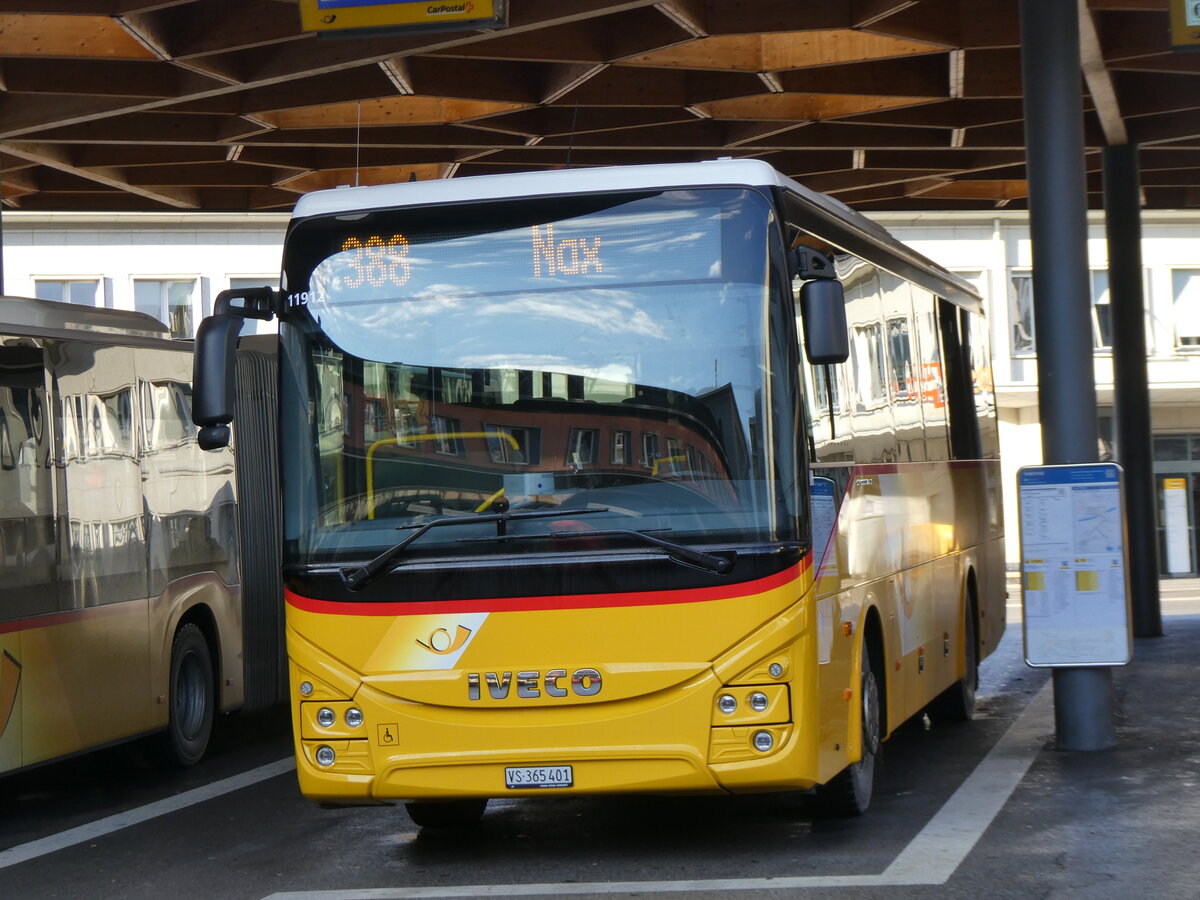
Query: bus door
x=87, y=667
x=27, y=547
x=10, y=700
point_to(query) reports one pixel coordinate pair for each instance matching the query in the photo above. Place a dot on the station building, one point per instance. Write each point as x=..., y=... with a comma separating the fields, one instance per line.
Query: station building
x=172, y=265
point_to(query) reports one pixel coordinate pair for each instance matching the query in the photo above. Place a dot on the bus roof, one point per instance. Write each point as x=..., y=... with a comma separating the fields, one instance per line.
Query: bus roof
x=32, y=316
x=749, y=172
x=834, y=217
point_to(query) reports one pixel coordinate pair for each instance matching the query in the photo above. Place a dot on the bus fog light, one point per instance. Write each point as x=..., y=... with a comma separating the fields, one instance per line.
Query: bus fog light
x=306, y=688
x=354, y=717
x=325, y=717
x=758, y=701
x=325, y=756
x=763, y=741
x=727, y=703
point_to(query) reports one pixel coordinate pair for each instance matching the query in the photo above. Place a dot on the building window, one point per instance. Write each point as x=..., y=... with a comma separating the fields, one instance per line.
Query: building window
x=83, y=291
x=168, y=301
x=1185, y=289
x=620, y=448
x=582, y=446
x=1022, y=312
x=256, y=326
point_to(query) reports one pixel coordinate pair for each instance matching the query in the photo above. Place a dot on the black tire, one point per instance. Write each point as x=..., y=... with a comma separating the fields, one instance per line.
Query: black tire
x=191, y=697
x=849, y=792
x=957, y=702
x=446, y=813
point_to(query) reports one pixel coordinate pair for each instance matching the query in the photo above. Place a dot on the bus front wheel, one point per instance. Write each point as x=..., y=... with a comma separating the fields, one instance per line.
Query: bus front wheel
x=849, y=792
x=446, y=813
x=191, y=697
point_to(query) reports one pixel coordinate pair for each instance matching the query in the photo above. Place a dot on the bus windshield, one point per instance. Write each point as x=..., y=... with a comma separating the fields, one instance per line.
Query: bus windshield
x=604, y=353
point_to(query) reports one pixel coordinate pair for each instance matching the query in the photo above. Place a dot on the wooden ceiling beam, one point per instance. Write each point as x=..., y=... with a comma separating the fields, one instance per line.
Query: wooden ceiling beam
x=1099, y=81
x=24, y=113
x=581, y=42
x=918, y=76
x=547, y=121
x=397, y=138
x=221, y=174
x=864, y=137
x=629, y=86
x=125, y=157
x=798, y=108
x=764, y=16
x=217, y=26
x=90, y=77
x=59, y=158
x=992, y=73
x=948, y=114
x=1168, y=128
x=1152, y=94
x=690, y=15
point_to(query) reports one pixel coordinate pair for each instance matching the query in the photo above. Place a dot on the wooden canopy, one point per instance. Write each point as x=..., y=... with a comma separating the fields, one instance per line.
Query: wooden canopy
x=886, y=104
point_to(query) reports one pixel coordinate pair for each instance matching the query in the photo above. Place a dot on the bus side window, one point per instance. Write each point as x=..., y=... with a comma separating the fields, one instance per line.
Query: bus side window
x=28, y=552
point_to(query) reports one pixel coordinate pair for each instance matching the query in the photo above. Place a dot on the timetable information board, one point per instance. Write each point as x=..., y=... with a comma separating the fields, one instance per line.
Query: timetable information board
x=1075, y=596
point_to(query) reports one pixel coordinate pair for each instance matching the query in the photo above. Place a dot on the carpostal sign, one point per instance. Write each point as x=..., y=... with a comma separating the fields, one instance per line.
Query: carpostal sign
x=347, y=18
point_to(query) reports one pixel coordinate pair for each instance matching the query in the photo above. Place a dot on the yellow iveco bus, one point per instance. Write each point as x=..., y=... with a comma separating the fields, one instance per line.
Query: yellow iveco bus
x=122, y=610
x=675, y=478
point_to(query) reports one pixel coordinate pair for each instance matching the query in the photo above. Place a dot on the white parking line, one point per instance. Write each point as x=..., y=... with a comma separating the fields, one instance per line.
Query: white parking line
x=32, y=850
x=929, y=859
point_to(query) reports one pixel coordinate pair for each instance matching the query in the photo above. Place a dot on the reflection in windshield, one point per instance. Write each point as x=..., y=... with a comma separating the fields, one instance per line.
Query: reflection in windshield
x=610, y=359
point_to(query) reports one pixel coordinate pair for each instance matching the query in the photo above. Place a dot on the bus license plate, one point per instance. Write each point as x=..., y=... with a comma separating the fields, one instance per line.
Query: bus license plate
x=538, y=777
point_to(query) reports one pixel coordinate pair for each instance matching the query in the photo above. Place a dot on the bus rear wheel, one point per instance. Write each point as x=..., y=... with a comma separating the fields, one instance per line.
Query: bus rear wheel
x=957, y=702
x=849, y=792
x=191, y=698
x=446, y=813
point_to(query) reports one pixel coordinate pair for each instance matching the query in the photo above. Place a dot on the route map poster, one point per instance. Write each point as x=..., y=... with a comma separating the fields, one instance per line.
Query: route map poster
x=1075, y=596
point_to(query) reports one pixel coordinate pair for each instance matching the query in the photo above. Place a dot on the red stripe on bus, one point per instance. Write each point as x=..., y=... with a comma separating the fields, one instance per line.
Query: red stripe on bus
x=62, y=618
x=572, y=601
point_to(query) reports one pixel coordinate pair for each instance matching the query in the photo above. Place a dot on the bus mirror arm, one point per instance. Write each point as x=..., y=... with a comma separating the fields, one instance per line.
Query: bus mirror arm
x=822, y=306
x=213, y=372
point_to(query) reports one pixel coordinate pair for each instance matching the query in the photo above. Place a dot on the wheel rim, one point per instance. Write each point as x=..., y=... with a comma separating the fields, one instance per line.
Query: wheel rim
x=870, y=715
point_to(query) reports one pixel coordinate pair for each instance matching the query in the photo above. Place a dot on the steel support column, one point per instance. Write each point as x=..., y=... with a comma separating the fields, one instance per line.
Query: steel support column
x=1050, y=67
x=1123, y=227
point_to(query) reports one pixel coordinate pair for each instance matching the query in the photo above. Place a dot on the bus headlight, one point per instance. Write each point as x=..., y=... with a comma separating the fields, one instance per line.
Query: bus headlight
x=727, y=704
x=759, y=701
x=325, y=717
x=354, y=717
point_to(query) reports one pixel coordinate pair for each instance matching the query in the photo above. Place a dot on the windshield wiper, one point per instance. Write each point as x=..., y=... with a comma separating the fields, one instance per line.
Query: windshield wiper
x=679, y=553
x=360, y=576
x=718, y=565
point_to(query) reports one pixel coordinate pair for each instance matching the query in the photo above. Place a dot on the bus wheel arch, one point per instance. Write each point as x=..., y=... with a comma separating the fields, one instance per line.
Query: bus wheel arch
x=957, y=702
x=192, y=690
x=849, y=792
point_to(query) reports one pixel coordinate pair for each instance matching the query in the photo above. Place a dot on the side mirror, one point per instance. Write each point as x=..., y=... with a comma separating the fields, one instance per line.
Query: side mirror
x=214, y=359
x=823, y=314
x=213, y=378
